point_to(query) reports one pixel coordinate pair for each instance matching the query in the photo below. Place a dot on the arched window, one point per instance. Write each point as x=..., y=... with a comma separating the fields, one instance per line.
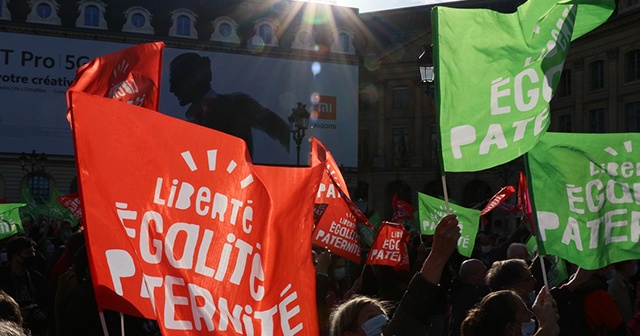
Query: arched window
x=91, y=16
x=266, y=33
x=225, y=30
x=40, y=186
x=344, y=42
x=183, y=25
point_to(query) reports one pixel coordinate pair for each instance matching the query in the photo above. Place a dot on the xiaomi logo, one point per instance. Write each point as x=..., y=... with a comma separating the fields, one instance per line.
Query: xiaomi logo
x=325, y=109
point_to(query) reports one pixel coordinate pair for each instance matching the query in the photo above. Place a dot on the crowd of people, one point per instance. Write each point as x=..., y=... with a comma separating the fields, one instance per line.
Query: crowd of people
x=499, y=290
x=46, y=290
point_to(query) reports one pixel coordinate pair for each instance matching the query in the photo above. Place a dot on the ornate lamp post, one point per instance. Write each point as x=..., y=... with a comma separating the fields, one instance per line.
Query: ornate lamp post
x=299, y=122
x=33, y=162
x=425, y=62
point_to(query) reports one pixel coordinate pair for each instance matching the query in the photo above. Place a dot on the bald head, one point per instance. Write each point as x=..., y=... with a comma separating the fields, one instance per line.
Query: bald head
x=518, y=251
x=472, y=271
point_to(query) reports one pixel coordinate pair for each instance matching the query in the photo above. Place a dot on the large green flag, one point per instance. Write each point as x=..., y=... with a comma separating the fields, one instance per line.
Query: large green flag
x=432, y=210
x=496, y=73
x=586, y=195
x=10, y=223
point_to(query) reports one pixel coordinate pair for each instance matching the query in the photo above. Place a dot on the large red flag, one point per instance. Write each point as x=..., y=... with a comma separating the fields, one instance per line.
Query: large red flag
x=182, y=228
x=131, y=75
x=390, y=247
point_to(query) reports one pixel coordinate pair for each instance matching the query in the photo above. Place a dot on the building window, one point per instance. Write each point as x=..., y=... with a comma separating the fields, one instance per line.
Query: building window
x=44, y=10
x=91, y=16
x=39, y=185
x=400, y=140
x=632, y=65
x=265, y=34
x=138, y=20
x=364, y=157
x=597, y=75
x=183, y=25
x=564, y=123
x=596, y=121
x=564, y=86
x=225, y=30
x=343, y=42
x=401, y=97
x=633, y=117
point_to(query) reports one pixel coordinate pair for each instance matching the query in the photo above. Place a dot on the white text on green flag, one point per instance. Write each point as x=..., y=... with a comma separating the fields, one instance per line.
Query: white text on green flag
x=496, y=73
x=586, y=196
x=432, y=210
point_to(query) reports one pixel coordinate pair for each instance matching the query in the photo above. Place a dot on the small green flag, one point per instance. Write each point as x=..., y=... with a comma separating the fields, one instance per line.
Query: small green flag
x=432, y=210
x=586, y=196
x=495, y=74
x=557, y=273
x=10, y=223
x=366, y=234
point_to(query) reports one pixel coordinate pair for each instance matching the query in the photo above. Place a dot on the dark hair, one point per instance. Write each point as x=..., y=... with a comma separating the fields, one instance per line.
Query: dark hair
x=9, y=309
x=193, y=66
x=17, y=244
x=503, y=273
x=491, y=315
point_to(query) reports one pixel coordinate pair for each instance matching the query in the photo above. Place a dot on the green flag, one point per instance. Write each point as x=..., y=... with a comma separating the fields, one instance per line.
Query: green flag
x=432, y=210
x=496, y=73
x=557, y=273
x=366, y=234
x=586, y=196
x=10, y=223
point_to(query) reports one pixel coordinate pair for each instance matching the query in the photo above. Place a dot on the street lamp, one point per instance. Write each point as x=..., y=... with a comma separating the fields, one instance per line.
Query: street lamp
x=298, y=122
x=33, y=162
x=425, y=62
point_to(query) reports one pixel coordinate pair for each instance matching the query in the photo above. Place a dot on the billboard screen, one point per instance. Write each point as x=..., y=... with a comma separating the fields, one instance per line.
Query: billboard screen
x=35, y=72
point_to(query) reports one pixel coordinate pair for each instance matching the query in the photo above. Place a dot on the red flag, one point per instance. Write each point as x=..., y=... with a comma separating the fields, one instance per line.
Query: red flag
x=524, y=202
x=182, y=228
x=390, y=247
x=402, y=210
x=337, y=231
x=131, y=75
x=498, y=198
x=333, y=189
x=72, y=202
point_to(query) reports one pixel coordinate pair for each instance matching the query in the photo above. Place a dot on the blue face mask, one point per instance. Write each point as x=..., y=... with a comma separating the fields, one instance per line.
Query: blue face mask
x=373, y=327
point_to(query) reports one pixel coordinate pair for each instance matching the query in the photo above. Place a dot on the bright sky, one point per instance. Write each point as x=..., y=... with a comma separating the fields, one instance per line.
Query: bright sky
x=377, y=5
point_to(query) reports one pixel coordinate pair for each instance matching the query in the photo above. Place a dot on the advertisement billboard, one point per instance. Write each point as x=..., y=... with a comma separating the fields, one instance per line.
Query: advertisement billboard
x=35, y=72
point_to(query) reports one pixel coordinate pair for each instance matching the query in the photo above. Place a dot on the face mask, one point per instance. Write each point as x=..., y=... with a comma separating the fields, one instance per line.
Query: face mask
x=4, y=258
x=485, y=248
x=340, y=273
x=611, y=275
x=373, y=327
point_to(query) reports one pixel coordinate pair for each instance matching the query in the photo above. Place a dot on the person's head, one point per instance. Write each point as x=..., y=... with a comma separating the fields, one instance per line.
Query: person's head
x=337, y=270
x=21, y=251
x=189, y=77
x=511, y=274
x=498, y=313
x=473, y=271
x=9, y=309
x=627, y=268
x=9, y=328
x=349, y=318
x=518, y=251
x=483, y=242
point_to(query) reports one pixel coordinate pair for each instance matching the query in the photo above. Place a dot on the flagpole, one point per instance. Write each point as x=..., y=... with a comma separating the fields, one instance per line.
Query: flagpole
x=363, y=267
x=446, y=194
x=105, y=331
x=544, y=272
